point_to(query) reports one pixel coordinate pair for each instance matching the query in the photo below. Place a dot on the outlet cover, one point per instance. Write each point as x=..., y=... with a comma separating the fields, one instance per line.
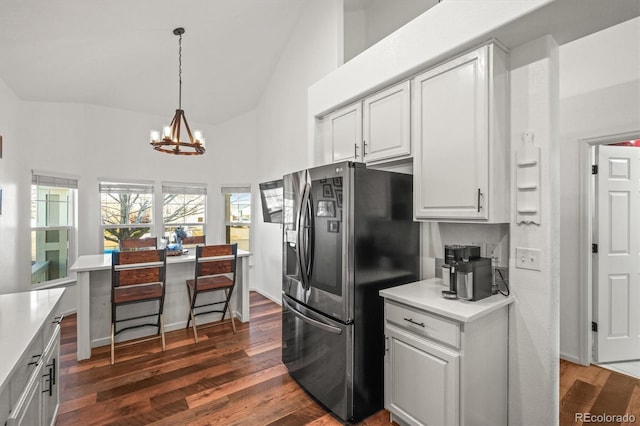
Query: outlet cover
x=528, y=258
x=494, y=251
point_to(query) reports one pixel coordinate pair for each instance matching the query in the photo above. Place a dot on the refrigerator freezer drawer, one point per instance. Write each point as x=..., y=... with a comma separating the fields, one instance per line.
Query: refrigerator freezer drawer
x=316, y=351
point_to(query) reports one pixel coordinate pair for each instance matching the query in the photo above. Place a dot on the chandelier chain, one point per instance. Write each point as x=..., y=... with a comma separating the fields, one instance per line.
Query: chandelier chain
x=180, y=72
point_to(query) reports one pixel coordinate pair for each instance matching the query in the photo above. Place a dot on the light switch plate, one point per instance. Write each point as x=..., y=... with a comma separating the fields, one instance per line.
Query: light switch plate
x=528, y=258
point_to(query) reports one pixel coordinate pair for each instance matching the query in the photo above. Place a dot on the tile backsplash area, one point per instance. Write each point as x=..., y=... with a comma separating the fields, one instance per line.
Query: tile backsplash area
x=493, y=240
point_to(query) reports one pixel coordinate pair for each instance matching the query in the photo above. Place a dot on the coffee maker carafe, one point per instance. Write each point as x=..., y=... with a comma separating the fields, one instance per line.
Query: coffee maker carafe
x=454, y=254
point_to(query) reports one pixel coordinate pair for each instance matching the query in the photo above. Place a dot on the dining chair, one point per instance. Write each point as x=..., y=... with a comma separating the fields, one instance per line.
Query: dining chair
x=199, y=240
x=150, y=243
x=137, y=277
x=215, y=271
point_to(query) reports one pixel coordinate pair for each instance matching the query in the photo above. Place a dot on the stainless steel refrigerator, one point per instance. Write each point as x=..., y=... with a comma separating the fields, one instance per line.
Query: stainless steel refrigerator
x=348, y=232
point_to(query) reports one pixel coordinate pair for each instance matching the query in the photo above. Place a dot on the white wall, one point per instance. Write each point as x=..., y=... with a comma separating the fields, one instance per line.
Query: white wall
x=534, y=317
x=11, y=220
x=313, y=51
x=364, y=27
x=599, y=96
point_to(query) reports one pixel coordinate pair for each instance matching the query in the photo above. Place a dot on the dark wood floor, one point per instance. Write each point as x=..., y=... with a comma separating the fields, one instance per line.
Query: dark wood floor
x=597, y=391
x=226, y=379
x=229, y=379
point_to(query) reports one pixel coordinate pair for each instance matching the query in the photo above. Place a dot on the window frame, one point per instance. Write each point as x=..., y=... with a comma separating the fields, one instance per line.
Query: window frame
x=181, y=188
x=236, y=189
x=41, y=179
x=144, y=187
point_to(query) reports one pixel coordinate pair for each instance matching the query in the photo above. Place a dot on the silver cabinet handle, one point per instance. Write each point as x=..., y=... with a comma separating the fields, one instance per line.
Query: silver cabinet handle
x=355, y=151
x=479, y=195
x=364, y=149
x=421, y=324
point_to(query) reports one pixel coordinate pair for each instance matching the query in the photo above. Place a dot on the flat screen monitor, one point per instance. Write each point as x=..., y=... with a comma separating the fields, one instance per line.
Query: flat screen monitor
x=272, y=199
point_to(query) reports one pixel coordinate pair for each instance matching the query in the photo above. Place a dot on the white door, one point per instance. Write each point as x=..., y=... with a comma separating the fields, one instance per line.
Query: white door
x=617, y=292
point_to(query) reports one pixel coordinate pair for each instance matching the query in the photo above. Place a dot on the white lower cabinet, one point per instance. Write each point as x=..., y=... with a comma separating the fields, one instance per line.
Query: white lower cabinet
x=439, y=371
x=29, y=391
x=38, y=403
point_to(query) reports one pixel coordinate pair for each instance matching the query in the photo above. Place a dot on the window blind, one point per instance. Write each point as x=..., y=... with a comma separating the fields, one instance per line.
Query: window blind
x=54, y=181
x=126, y=188
x=235, y=189
x=184, y=188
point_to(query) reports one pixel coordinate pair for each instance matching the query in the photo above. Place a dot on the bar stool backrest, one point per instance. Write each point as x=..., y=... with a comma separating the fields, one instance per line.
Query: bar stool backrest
x=139, y=243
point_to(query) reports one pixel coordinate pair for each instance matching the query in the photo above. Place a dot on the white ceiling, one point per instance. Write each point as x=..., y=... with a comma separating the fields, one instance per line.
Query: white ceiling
x=123, y=54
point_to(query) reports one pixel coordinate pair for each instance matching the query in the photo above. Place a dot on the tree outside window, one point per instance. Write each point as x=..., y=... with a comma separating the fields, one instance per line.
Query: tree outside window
x=126, y=211
x=184, y=205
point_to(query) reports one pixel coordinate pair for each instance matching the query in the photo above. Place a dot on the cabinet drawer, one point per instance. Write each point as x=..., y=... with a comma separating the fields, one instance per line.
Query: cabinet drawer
x=423, y=323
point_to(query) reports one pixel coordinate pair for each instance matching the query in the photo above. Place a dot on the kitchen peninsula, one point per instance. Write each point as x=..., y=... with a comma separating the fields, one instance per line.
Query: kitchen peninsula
x=94, y=293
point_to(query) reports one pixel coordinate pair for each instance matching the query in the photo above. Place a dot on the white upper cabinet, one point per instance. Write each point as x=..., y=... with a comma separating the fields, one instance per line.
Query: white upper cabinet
x=386, y=124
x=345, y=133
x=374, y=130
x=460, y=126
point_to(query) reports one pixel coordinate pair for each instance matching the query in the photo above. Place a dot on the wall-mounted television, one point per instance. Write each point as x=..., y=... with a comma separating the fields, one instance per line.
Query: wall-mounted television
x=271, y=194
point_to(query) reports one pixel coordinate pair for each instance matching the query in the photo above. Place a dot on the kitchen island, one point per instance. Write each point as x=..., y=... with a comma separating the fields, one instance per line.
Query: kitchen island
x=94, y=297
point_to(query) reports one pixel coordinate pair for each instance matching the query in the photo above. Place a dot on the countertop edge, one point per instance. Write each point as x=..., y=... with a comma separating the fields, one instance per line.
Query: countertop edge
x=482, y=308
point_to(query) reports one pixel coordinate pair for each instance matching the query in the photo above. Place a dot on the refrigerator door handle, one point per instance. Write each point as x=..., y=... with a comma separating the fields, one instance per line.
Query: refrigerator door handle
x=314, y=322
x=310, y=242
x=302, y=244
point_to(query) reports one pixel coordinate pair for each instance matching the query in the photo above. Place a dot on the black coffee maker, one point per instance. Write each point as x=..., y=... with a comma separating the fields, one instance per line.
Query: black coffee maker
x=454, y=254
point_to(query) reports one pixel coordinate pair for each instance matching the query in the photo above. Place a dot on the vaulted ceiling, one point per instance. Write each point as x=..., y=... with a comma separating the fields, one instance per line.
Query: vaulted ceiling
x=123, y=54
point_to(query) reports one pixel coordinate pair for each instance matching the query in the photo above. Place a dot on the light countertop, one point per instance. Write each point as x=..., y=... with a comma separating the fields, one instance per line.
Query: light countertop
x=96, y=262
x=427, y=295
x=22, y=315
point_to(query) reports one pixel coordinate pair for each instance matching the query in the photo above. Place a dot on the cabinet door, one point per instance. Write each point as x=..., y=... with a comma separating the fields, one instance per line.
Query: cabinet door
x=345, y=133
x=27, y=410
x=421, y=379
x=386, y=124
x=50, y=379
x=451, y=125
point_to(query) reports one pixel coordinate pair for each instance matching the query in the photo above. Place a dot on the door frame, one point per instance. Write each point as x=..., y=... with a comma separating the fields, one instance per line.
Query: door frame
x=587, y=191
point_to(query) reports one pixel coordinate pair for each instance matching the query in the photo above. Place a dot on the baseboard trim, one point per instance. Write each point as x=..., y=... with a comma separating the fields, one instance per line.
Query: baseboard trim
x=268, y=296
x=570, y=358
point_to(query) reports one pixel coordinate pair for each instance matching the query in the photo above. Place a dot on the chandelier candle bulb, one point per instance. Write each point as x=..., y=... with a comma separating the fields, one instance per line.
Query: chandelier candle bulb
x=155, y=135
x=166, y=132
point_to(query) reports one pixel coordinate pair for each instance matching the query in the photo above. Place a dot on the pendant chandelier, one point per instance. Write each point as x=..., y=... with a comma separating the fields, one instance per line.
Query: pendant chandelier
x=170, y=142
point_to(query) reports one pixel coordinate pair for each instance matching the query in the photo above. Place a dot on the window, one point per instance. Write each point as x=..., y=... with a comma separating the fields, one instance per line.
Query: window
x=126, y=211
x=184, y=205
x=237, y=206
x=52, y=221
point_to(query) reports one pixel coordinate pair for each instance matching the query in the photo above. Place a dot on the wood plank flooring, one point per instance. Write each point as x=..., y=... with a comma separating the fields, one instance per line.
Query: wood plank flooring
x=238, y=379
x=225, y=379
x=597, y=391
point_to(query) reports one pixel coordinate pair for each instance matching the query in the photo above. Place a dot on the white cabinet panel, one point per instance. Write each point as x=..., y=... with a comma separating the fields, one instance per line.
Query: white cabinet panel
x=345, y=133
x=386, y=124
x=460, y=142
x=424, y=389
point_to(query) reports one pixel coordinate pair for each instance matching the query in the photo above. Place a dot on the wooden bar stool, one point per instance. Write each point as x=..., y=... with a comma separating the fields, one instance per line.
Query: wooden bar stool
x=137, y=277
x=215, y=271
x=150, y=243
x=198, y=240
